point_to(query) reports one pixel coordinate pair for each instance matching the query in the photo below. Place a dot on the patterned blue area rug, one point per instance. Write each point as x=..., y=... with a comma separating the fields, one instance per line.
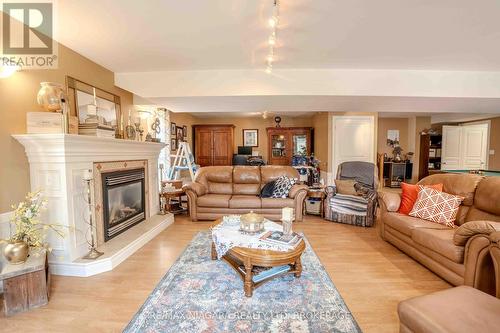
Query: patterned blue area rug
x=202, y=295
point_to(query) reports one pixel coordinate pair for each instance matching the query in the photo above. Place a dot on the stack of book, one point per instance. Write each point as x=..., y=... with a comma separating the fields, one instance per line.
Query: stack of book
x=95, y=129
x=279, y=238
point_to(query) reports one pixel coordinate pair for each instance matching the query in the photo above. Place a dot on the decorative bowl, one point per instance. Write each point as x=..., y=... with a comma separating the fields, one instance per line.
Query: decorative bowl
x=251, y=223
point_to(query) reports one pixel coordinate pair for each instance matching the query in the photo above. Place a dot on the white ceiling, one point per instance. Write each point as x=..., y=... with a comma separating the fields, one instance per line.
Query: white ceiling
x=152, y=35
x=169, y=50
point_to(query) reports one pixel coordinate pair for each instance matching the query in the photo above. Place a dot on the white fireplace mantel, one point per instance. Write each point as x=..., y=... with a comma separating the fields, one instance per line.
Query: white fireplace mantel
x=58, y=163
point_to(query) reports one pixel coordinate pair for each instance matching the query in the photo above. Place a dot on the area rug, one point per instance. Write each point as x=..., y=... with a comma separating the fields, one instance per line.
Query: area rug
x=198, y=294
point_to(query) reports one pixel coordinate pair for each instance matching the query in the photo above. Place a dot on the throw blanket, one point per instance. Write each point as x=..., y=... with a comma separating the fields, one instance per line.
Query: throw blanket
x=356, y=210
x=362, y=172
x=227, y=235
x=349, y=204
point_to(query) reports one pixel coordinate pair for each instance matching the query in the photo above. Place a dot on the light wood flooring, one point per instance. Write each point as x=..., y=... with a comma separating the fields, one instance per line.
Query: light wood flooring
x=371, y=275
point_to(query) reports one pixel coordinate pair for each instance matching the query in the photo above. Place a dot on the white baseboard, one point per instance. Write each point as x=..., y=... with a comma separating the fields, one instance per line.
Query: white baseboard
x=113, y=254
x=5, y=225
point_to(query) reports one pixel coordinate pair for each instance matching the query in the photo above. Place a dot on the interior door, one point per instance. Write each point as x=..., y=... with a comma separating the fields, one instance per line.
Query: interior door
x=203, y=146
x=222, y=149
x=475, y=146
x=353, y=140
x=451, y=152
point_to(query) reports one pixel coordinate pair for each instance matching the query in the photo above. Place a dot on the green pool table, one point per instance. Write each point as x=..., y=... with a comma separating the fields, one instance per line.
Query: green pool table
x=492, y=173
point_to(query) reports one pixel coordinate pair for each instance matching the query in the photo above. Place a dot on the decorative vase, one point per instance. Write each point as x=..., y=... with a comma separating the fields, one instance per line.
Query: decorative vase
x=16, y=252
x=50, y=96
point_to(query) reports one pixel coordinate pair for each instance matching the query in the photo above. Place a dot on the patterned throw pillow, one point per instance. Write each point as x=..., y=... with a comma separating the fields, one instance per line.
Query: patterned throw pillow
x=282, y=187
x=436, y=206
x=267, y=190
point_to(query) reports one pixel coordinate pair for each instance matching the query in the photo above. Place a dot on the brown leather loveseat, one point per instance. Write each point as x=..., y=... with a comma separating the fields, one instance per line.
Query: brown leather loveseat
x=459, y=255
x=223, y=190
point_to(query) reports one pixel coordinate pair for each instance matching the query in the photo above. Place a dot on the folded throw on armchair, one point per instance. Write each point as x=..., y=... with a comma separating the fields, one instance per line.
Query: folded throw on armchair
x=349, y=204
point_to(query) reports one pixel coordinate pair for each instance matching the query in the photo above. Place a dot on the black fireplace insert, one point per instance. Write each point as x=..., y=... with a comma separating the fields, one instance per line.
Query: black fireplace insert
x=124, y=202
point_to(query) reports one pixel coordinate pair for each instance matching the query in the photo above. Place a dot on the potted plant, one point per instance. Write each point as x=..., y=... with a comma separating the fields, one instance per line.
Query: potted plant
x=29, y=231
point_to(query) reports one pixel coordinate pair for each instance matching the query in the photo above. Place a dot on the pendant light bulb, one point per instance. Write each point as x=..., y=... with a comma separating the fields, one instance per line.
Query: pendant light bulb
x=273, y=22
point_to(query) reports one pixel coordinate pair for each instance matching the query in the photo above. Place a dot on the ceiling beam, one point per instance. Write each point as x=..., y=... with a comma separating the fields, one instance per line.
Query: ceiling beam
x=310, y=82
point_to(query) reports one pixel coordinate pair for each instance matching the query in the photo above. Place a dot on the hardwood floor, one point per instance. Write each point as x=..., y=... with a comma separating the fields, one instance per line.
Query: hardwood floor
x=371, y=275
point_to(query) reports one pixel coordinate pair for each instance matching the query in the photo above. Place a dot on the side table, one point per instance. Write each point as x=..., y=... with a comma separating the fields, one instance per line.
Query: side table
x=173, y=201
x=25, y=286
x=320, y=194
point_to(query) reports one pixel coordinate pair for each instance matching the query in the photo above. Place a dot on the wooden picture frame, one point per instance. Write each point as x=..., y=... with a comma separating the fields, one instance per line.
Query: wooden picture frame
x=250, y=137
x=179, y=135
x=184, y=131
x=173, y=127
x=82, y=94
x=173, y=144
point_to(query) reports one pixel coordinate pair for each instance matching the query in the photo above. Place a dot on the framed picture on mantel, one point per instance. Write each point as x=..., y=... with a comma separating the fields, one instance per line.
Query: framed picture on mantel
x=251, y=137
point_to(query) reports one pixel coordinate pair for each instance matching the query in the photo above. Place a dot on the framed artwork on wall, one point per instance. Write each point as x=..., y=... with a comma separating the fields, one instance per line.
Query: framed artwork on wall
x=184, y=131
x=173, y=144
x=179, y=134
x=251, y=137
x=173, y=126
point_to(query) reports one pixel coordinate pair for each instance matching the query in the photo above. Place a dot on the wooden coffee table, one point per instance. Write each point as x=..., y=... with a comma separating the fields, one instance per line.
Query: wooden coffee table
x=246, y=262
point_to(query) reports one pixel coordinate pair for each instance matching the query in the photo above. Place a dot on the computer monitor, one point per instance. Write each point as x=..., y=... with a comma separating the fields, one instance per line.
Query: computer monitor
x=242, y=150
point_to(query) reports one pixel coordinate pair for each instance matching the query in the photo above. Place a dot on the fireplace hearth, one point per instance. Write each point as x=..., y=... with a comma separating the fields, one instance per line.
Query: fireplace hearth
x=124, y=202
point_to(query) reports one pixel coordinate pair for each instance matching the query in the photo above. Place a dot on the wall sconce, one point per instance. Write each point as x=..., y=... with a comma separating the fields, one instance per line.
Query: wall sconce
x=7, y=71
x=144, y=114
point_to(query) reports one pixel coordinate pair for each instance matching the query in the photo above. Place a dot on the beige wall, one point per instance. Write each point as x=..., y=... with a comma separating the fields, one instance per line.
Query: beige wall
x=18, y=96
x=184, y=119
x=241, y=123
x=385, y=124
x=321, y=141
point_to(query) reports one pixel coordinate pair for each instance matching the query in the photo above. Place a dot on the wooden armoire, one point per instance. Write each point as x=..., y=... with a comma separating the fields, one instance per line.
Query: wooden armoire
x=286, y=142
x=213, y=144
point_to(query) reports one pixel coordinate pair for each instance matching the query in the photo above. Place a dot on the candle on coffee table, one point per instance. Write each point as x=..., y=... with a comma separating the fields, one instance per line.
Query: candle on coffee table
x=287, y=214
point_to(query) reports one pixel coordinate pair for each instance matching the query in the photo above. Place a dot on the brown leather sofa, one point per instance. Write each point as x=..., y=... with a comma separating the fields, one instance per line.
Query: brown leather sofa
x=458, y=255
x=459, y=310
x=223, y=190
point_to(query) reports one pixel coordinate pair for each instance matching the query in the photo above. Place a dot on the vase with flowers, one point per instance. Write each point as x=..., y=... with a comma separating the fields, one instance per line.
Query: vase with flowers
x=29, y=231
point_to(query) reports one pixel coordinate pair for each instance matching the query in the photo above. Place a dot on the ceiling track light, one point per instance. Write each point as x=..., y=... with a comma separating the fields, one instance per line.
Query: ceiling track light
x=273, y=23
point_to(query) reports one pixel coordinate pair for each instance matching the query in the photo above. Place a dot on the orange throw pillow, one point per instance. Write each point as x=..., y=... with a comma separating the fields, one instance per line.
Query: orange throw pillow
x=410, y=195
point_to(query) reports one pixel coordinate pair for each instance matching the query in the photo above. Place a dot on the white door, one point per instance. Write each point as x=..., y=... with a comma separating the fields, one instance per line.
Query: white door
x=353, y=140
x=451, y=152
x=475, y=146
